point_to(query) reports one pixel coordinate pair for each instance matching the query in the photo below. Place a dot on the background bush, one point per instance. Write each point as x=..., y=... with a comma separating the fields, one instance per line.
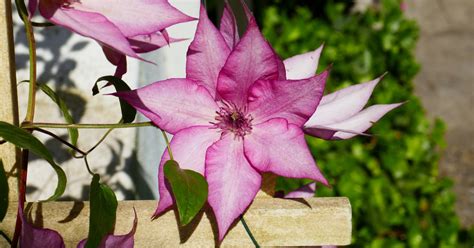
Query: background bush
x=391, y=178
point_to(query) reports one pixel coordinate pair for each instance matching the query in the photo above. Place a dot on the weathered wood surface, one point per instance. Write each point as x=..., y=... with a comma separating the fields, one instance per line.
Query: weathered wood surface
x=274, y=222
x=8, y=96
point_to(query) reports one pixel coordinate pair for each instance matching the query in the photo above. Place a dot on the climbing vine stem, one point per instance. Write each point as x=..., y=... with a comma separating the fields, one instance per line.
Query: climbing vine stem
x=247, y=229
x=30, y=111
x=86, y=126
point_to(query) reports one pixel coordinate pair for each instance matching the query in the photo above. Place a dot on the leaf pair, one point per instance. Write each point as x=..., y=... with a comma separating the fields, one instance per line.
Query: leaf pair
x=103, y=213
x=103, y=209
x=189, y=189
x=26, y=140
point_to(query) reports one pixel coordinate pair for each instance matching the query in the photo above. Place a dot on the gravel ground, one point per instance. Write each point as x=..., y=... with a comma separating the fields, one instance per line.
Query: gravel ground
x=446, y=87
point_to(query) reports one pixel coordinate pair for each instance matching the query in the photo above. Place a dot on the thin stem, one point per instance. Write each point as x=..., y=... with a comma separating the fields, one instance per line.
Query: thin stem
x=84, y=154
x=5, y=236
x=30, y=111
x=247, y=229
x=87, y=166
x=167, y=144
x=21, y=195
x=42, y=24
x=61, y=140
x=100, y=141
x=85, y=126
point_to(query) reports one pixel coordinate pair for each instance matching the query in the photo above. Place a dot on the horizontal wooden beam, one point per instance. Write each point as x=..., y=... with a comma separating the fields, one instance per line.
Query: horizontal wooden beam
x=274, y=222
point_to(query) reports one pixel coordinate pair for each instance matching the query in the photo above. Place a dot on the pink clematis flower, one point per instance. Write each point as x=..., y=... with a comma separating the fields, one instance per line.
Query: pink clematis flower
x=120, y=26
x=341, y=114
x=305, y=191
x=32, y=236
x=117, y=241
x=233, y=117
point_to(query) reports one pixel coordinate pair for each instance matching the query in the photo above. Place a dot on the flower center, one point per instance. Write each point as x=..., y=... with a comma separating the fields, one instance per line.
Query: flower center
x=231, y=118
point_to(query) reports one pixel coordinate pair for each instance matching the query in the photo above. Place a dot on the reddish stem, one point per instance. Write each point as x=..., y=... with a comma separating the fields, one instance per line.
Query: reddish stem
x=21, y=195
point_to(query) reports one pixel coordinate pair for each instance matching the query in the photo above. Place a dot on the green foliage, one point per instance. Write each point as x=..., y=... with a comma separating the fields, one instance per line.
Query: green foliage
x=391, y=178
x=103, y=210
x=189, y=190
x=3, y=192
x=23, y=139
x=128, y=112
x=73, y=133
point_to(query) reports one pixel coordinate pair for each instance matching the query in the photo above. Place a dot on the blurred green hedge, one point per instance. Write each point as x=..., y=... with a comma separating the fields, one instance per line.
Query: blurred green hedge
x=391, y=178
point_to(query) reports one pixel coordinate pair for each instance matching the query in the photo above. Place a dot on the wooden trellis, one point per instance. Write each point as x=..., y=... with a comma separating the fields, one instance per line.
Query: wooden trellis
x=274, y=222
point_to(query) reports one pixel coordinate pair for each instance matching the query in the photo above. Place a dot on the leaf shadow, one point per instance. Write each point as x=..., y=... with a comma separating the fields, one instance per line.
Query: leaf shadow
x=75, y=211
x=142, y=190
x=185, y=232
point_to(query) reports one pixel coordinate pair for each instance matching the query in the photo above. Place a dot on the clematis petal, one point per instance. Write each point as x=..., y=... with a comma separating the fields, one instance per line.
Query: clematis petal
x=117, y=59
x=307, y=191
x=328, y=133
x=32, y=236
x=173, y=104
x=112, y=56
x=92, y=25
x=247, y=11
x=280, y=65
x=303, y=65
x=189, y=148
x=141, y=17
x=150, y=42
x=121, y=67
x=31, y=5
x=342, y=104
x=252, y=59
x=228, y=26
x=279, y=147
x=117, y=241
x=294, y=100
x=207, y=54
x=233, y=183
x=352, y=126
x=122, y=241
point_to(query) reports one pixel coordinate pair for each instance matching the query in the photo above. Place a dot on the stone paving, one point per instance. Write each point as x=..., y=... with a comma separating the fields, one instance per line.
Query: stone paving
x=446, y=87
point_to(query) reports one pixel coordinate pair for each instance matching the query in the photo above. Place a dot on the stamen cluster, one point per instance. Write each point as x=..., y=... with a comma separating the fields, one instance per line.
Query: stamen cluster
x=231, y=118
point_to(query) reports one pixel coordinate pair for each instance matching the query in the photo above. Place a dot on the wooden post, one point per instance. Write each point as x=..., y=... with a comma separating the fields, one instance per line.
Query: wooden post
x=8, y=97
x=274, y=222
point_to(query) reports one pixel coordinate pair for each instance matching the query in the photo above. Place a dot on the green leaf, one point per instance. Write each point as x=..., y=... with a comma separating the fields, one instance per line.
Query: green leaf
x=103, y=209
x=128, y=112
x=3, y=192
x=73, y=133
x=189, y=189
x=26, y=140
